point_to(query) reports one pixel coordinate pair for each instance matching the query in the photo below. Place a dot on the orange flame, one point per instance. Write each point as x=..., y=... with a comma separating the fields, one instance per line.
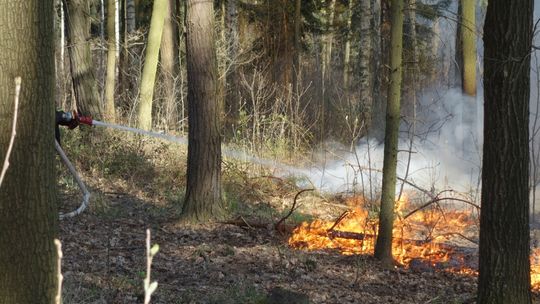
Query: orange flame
x=420, y=238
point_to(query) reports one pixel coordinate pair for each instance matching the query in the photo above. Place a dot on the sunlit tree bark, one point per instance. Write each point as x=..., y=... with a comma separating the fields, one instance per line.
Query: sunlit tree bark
x=110, y=111
x=82, y=67
x=148, y=76
x=383, y=247
x=169, y=66
x=203, y=191
x=468, y=44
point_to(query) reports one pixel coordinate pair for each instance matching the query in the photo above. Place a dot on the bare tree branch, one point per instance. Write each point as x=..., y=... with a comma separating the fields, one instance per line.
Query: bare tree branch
x=18, y=81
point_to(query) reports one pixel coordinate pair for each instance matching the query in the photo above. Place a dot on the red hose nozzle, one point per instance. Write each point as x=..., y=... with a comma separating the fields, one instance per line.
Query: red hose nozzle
x=86, y=120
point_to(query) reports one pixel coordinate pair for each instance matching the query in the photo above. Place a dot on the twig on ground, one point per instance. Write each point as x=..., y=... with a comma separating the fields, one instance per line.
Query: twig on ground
x=18, y=81
x=278, y=224
x=59, y=276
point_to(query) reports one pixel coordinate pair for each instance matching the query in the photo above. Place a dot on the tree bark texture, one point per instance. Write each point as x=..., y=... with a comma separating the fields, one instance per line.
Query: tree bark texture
x=110, y=83
x=169, y=66
x=297, y=43
x=347, y=50
x=28, y=210
x=468, y=44
x=504, y=273
x=148, y=77
x=82, y=67
x=383, y=247
x=232, y=98
x=366, y=53
x=203, y=191
x=377, y=107
x=131, y=21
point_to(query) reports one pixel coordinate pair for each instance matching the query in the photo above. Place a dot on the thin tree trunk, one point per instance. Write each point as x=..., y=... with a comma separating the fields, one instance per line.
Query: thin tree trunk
x=232, y=101
x=383, y=247
x=28, y=211
x=82, y=66
x=297, y=43
x=110, y=111
x=169, y=67
x=203, y=190
x=347, y=52
x=148, y=76
x=366, y=53
x=504, y=272
x=131, y=21
x=468, y=44
x=377, y=106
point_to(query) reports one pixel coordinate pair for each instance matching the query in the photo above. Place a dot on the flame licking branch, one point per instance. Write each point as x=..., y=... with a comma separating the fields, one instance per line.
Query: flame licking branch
x=421, y=238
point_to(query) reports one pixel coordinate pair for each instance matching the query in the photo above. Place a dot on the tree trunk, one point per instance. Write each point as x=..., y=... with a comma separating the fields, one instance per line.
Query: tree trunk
x=82, y=66
x=169, y=66
x=468, y=44
x=377, y=107
x=131, y=21
x=110, y=112
x=366, y=52
x=504, y=272
x=148, y=76
x=203, y=191
x=232, y=100
x=383, y=247
x=297, y=44
x=28, y=210
x=347, y=52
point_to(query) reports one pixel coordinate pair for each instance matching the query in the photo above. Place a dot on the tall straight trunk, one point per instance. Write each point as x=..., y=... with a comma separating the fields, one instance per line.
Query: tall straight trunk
x=468, y=44
x=297, y=43
x=148, y=76
x=169, y=66
x=504, y=272
x=326, y=55
x=377, y=106
x=110, y=111
x=328, y=40
x=366, y=53
x=232, y=102
x=203, y=190
x=347, y=52
x=383, y=247
x=131, y=21
x=82, y=65
x=28, y=211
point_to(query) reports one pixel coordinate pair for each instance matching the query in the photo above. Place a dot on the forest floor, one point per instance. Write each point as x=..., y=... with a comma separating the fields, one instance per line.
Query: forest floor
x=133, y=190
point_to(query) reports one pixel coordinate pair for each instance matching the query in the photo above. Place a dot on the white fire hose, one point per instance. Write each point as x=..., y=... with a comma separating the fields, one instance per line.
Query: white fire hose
x=82, y=186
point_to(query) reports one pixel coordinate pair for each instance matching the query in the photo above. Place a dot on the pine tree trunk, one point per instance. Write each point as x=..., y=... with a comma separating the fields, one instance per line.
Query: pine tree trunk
x=169, y=67
x=504, y=273
x=468, y=43
x=28, y=210
x=383, y=247
x=148, y=76
x=203, y=191
x=82, y=67
x=110, y=84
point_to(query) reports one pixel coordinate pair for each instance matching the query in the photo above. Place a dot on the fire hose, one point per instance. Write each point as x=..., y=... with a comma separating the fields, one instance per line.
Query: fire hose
x=72, y=120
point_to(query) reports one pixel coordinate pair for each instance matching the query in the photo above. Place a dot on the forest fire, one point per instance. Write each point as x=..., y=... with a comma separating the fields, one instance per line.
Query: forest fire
x=423, y=238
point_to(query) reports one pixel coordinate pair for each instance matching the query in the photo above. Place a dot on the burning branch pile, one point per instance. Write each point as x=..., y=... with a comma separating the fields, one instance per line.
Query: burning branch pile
x=426, y=238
